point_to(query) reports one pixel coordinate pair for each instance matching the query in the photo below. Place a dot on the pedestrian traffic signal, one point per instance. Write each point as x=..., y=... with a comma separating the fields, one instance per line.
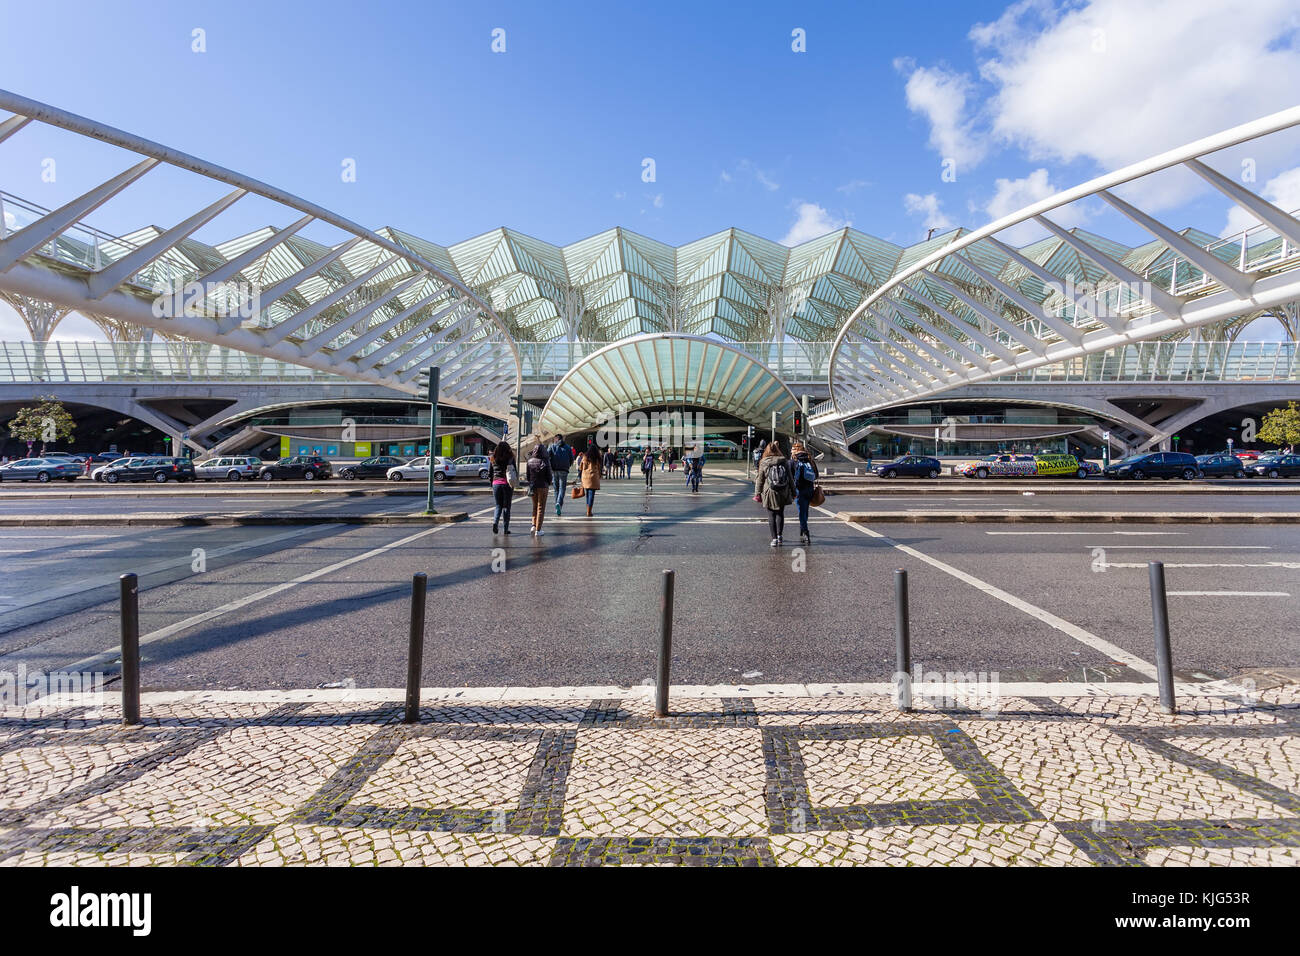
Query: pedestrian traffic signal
x=528, y=422
x=798, y=423
x=426, y=381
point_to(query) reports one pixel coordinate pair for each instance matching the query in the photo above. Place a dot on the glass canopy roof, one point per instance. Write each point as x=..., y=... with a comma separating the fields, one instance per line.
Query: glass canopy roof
x=652, y=370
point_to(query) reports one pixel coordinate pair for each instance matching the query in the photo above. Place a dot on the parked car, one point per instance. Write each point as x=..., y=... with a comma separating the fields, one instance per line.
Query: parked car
x=418, y=468
x=233, y=468
x=1220, y=466
x=376, y=467
x=98, y=473
x=1280, y=466
x=910, y=465
x=467, y=465
x=1155, y=464
x=159, y=469
x=1248, y=455
x=307, y=467
x=40, y=469
x=106, y=456
x=1025, y=466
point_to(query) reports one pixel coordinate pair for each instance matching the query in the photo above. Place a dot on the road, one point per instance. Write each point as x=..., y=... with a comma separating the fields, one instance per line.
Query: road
x=272, y=607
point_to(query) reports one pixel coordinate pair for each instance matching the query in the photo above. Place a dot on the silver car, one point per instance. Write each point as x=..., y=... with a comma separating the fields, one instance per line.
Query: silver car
x=467, y=465
x=233, y=468
x=41, y=469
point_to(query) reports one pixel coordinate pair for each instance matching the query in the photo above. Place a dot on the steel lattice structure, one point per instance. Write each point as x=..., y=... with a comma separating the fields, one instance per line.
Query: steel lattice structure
x=977, y=308
x=367, y=307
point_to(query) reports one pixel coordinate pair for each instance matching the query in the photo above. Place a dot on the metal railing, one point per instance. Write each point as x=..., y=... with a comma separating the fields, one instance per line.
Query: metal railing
x=544, y=362
x=1173, y=362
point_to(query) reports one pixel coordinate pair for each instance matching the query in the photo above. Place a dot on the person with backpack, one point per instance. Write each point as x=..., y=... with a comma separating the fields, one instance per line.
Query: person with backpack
x=503, y=474
x=538, y=475
x=648, y=469
x=774, y=488
x=590, y=472
x=559, y=457
x=805, y=486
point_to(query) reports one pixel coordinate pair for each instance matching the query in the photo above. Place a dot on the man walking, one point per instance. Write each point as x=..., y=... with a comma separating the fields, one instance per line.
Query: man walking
x=560, y=456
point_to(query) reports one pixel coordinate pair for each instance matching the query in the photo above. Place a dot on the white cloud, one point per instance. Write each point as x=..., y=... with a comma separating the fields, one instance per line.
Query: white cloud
x=1282, y=191
x=811, y=221
x=658, y=200
x=1115, y=81
x=725, y=176
x=759, y=175
x=620, y=195
x=852, y=186
x=927, y=206
x=1012, y=195
x=943, y=97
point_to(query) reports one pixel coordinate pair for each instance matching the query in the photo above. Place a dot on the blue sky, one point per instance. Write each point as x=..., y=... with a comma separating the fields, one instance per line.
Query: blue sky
x=451, y=139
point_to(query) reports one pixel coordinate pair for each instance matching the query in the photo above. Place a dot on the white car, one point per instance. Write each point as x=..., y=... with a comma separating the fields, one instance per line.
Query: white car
x=418, y=469
x=232, y=468
x=98, y=473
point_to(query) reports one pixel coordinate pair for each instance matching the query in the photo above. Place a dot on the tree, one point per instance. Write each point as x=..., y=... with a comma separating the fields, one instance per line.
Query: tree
x=47, y=422
x=1281, y=426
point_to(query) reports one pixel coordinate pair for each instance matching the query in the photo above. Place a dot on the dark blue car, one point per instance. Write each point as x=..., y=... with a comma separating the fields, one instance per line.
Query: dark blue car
x=910, y=465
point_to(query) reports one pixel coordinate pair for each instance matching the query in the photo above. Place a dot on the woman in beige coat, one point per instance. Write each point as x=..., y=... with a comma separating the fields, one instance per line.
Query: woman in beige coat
x=590, y=471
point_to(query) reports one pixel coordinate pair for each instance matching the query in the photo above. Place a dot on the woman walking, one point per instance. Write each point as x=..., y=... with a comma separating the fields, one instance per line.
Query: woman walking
x=591, y=475
x=805, y=486
x=774, y=488
x=648, y=469
x=503, y=492
x=538, y=474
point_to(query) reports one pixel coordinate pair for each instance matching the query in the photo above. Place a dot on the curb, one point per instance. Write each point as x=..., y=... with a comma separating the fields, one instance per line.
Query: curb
x=1072, y=517
x=222, y=520
x=202, y=491
x=975, y=487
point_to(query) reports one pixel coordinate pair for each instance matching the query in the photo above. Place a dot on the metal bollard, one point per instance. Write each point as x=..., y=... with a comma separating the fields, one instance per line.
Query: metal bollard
x=130, y=649
x=415, y=648
x=665, y=645
x=902, y=644
x=1160, y=617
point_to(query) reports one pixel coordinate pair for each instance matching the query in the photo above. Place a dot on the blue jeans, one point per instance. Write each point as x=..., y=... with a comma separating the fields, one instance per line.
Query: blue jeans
x=503, y=495
x=803, y=500
x=560, y=482
x=591, y=497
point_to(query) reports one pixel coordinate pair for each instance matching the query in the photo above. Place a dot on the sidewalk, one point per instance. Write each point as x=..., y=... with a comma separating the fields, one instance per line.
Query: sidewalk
x=554, y=777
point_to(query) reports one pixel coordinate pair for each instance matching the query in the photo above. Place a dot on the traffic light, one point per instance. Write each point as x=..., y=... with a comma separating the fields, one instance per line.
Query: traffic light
x=517, y=405
x=798, y=423
x=528, y=422
x=427, y=382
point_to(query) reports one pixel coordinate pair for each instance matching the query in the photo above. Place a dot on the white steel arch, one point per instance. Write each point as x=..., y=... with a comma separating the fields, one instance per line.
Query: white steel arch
x=368, y=307
x=977, y=307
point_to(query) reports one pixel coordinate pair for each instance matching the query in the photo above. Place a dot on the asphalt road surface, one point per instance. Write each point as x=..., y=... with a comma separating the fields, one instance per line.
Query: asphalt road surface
x=307, y=606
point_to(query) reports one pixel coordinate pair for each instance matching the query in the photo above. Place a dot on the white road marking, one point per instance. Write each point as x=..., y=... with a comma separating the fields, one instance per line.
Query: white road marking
x=1113, y=651
x=1186, y=547
x=1082, y=534
x=110, y=655
x=1267, y=564
x=1228, y=593
x=87, y=584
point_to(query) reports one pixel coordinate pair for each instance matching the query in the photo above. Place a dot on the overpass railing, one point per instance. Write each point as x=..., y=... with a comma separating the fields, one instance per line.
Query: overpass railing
x=544, y=362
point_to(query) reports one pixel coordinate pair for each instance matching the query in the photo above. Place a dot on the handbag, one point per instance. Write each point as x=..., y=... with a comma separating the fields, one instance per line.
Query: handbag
x=512, y=474
x=818, y=497
x=576, y=491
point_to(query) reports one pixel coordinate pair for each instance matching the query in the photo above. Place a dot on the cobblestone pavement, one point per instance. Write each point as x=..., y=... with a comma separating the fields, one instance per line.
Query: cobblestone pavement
x=743, y=781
